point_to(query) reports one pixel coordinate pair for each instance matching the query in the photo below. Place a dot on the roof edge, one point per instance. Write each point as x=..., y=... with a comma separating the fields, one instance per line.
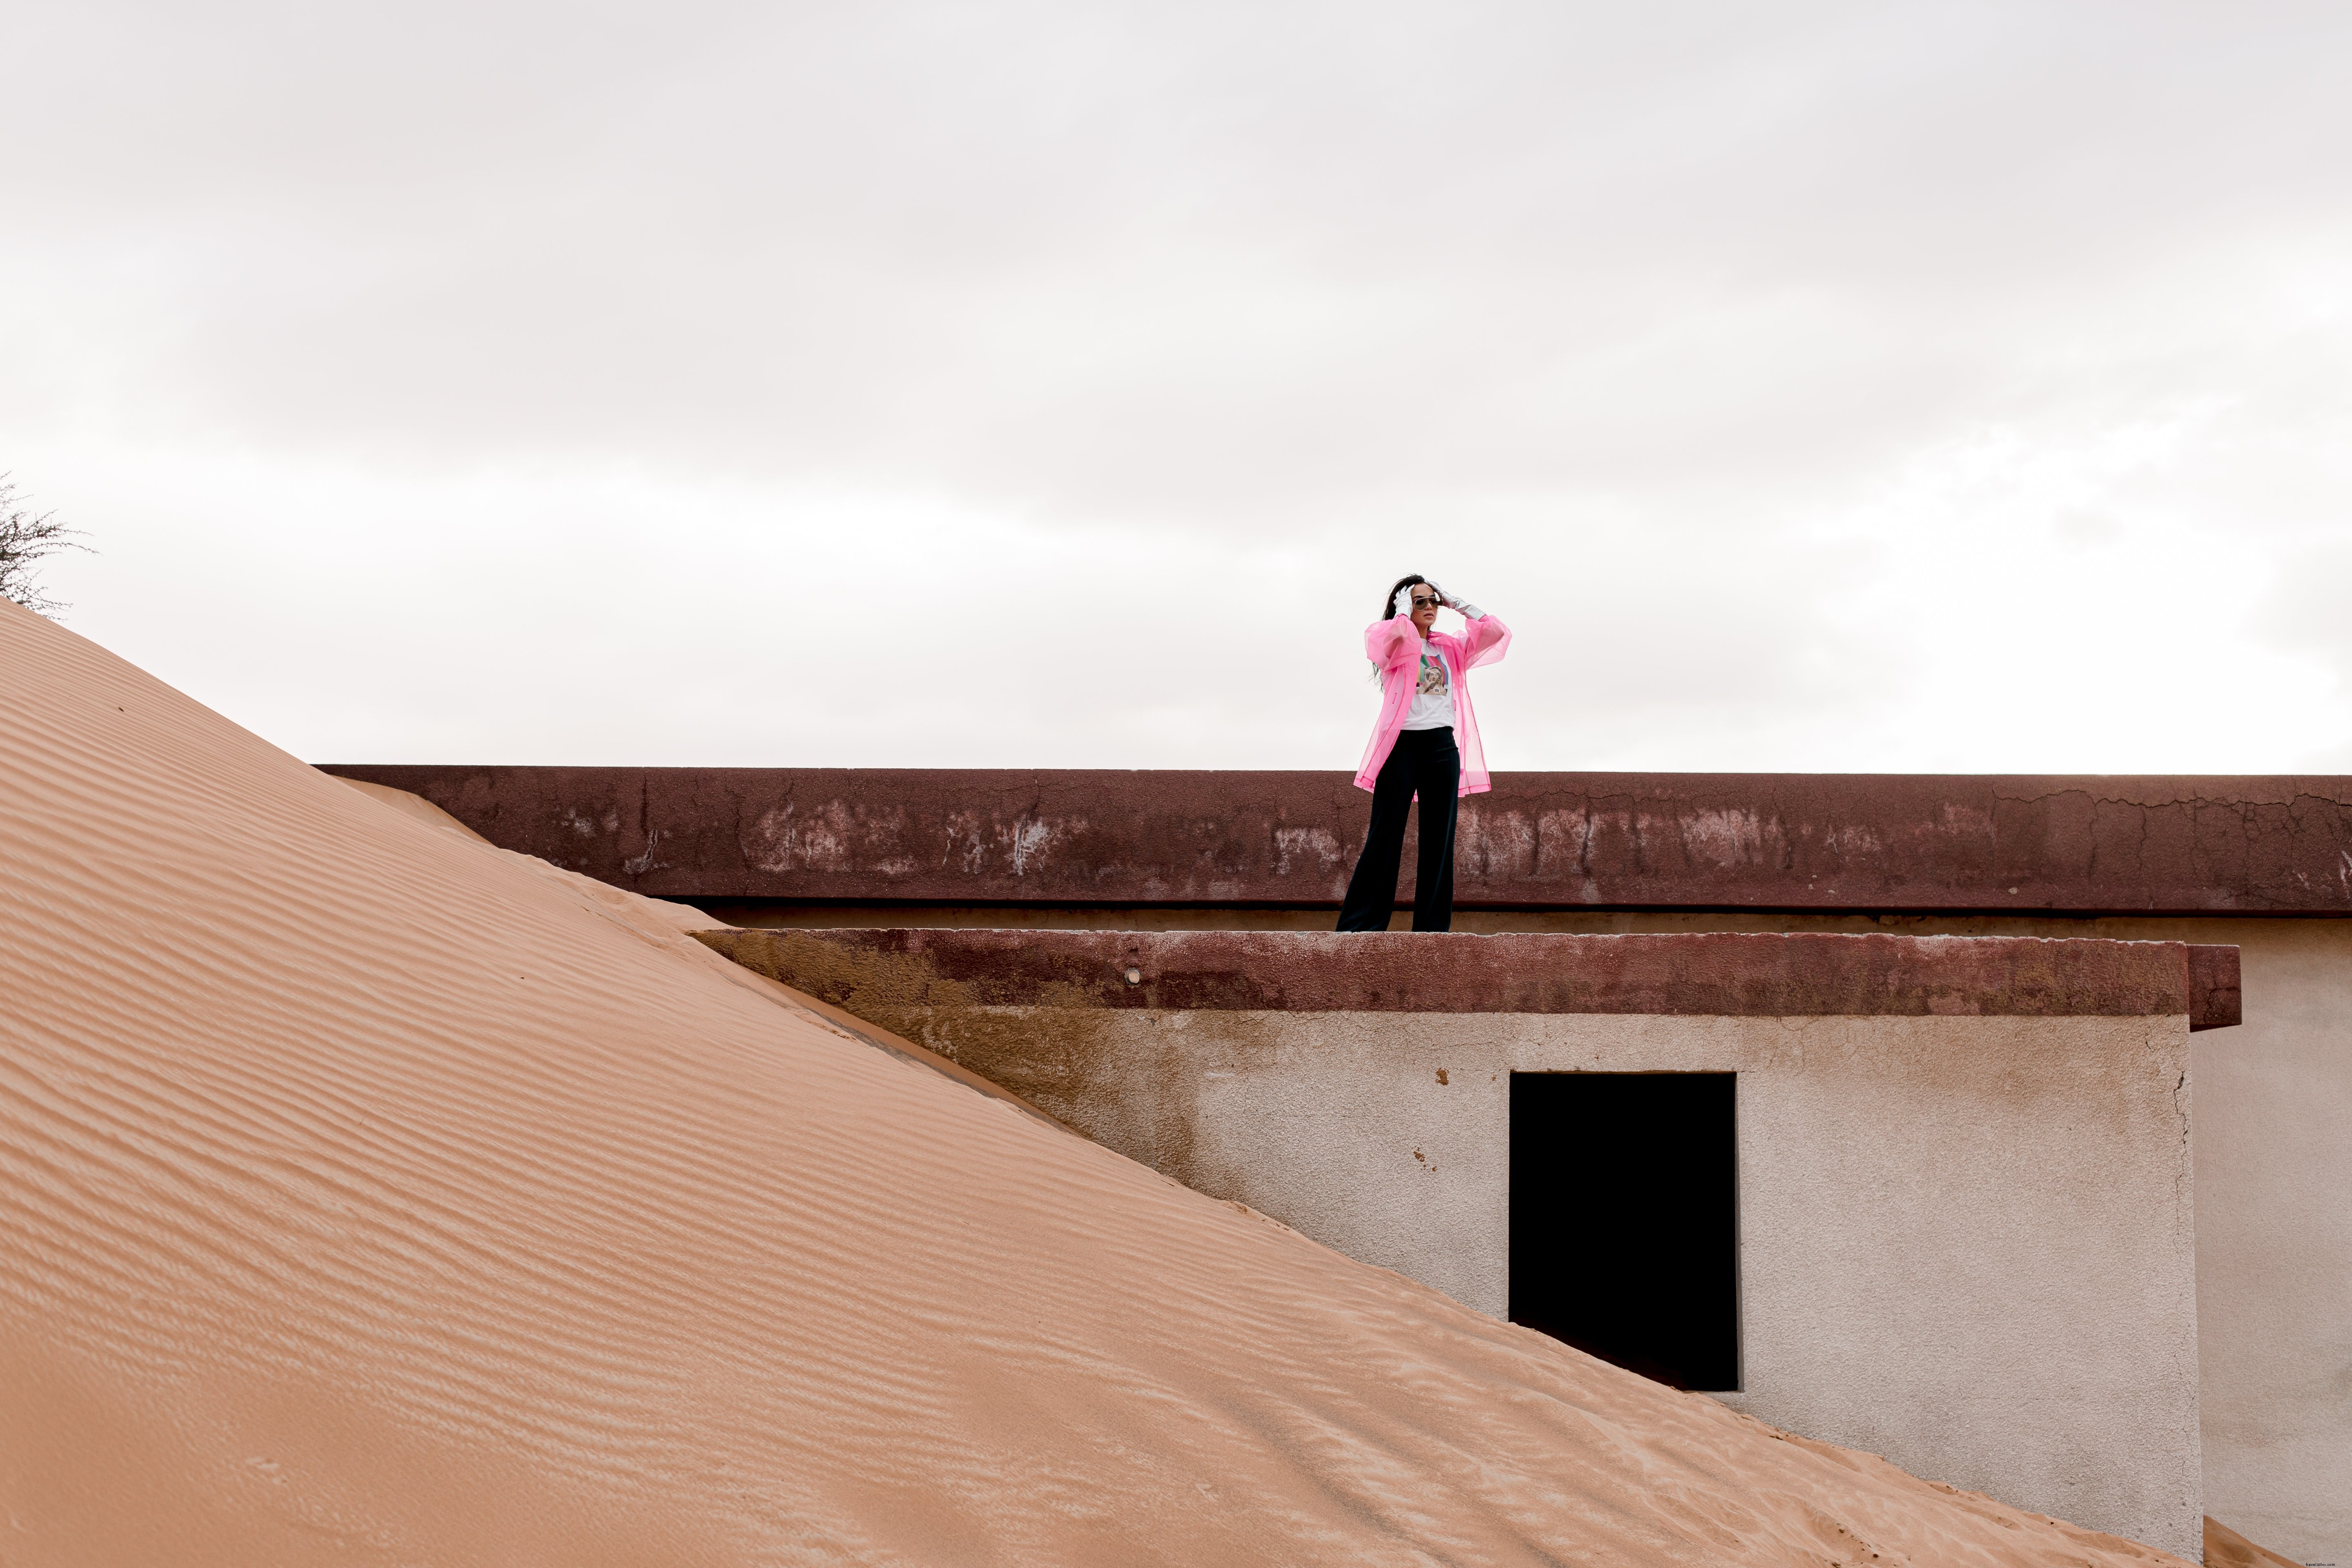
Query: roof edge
x=1715, y=973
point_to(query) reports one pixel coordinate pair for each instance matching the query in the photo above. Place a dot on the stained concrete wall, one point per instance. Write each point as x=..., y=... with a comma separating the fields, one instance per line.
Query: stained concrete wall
x=1822, y=842
x=2275, y=1240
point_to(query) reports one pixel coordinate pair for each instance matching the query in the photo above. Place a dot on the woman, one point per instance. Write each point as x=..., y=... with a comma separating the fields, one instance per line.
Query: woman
x=1425, y=743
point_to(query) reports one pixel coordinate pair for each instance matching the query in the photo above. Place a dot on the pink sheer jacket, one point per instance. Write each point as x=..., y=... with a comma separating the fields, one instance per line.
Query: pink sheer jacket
x=1395, y=646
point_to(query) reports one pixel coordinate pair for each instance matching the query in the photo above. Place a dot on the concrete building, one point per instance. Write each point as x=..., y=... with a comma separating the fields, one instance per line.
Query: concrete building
x=2263, y=865
x=1926, y=1197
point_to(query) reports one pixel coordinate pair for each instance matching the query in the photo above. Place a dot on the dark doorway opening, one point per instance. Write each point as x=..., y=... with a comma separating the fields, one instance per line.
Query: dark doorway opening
x=1625, y=1219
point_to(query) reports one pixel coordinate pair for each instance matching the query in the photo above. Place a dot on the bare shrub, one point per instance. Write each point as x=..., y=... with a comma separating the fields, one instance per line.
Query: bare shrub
x=26, y=539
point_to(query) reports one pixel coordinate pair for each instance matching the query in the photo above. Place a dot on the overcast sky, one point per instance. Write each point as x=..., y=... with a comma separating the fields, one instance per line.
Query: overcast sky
x=1811, y=387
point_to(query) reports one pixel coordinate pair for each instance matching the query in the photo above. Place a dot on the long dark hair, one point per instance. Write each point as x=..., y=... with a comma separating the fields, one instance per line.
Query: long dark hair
x=1389, y=610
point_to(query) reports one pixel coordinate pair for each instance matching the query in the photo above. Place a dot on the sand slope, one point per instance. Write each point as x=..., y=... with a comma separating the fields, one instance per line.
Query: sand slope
x=369, y=1196
x=2225, y=1548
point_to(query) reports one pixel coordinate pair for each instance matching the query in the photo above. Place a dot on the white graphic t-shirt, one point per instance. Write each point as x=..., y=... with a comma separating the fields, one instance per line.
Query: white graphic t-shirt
x=1433, y=699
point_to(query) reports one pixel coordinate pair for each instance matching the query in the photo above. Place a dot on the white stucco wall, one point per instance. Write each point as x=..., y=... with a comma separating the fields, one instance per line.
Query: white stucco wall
x=2274, y=1239
x=1966, y=1244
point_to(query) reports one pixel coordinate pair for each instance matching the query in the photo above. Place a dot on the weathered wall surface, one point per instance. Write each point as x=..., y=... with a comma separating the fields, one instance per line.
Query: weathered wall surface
x=1966, y=1240
x=1921, y=843
x=2275, y=1238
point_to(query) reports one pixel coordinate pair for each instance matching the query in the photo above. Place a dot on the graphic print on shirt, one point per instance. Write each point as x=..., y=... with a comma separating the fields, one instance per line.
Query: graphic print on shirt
x=1433, y=674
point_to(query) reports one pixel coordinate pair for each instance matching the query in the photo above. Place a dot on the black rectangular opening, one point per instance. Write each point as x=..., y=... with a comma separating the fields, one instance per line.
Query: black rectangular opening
x=1625, y=1219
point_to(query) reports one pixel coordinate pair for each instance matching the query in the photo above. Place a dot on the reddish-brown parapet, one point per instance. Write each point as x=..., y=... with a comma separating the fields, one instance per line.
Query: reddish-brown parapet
x=1872, y=843
x=1699, y=974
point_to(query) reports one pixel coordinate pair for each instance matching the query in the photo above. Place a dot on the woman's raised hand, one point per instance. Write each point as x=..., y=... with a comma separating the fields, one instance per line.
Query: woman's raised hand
x=1468, y=611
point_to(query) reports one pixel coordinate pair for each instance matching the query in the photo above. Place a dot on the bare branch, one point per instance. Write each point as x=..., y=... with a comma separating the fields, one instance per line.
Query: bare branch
x=26, y=539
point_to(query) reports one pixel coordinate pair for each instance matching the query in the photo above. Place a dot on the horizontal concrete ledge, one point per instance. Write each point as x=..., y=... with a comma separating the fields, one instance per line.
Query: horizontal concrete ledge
x=1829, y=843
x=1710, y=974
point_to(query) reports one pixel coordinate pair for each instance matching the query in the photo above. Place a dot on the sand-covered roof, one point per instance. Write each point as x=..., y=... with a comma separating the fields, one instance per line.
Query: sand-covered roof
x=371, y=1194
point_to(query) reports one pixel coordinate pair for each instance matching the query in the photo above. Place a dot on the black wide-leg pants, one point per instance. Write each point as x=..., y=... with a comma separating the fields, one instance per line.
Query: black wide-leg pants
x=1424, y=761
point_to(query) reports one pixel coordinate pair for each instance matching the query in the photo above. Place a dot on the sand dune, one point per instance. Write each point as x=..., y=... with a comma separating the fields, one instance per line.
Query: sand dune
x=369, y=1195
x=2225, y=1548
